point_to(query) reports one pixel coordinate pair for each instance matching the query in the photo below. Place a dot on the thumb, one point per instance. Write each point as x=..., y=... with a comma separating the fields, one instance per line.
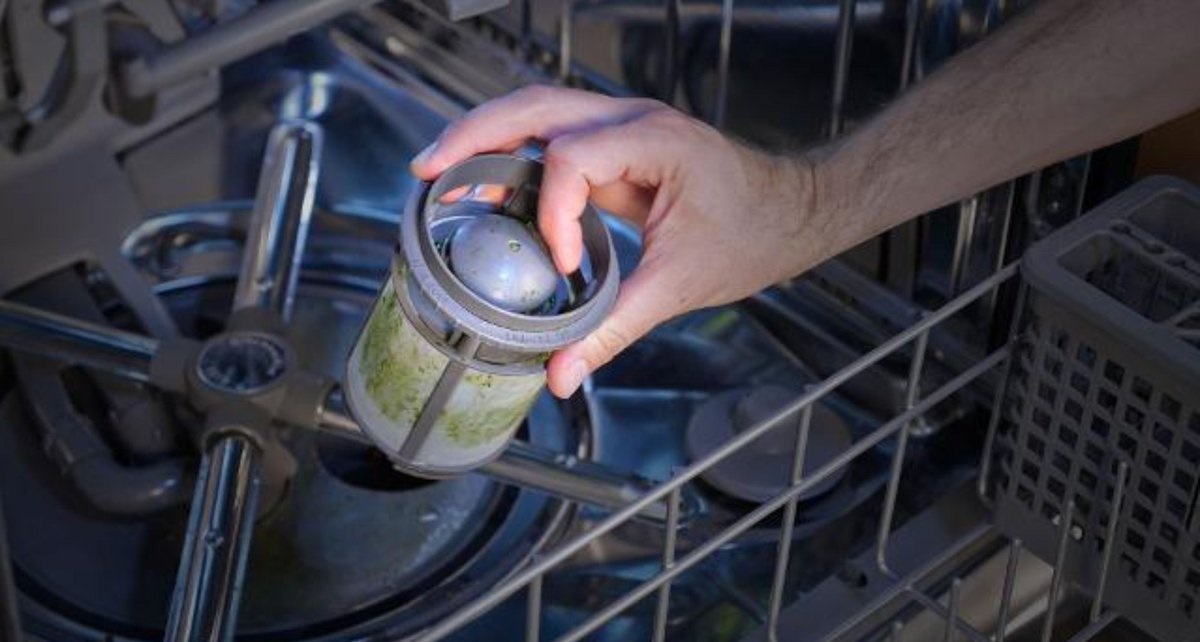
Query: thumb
x=640, y=306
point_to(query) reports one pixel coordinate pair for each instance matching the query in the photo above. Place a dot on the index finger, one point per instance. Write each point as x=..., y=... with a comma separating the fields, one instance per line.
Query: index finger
x=535, y=112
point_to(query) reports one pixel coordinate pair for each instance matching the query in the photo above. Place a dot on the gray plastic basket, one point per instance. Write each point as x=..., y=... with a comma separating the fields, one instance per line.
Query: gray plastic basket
x=1108, y=371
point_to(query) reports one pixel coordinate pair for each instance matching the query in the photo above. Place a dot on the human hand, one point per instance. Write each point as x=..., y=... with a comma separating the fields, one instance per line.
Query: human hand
x=720, y=221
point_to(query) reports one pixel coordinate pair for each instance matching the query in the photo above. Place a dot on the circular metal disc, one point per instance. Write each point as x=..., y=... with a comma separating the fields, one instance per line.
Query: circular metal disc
x=761, y=470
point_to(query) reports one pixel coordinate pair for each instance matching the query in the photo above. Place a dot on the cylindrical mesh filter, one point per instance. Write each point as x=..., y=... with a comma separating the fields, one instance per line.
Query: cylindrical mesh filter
x=453, y=352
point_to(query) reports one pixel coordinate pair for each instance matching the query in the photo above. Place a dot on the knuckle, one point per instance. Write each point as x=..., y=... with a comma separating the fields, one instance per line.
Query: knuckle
x=648, y=105
x=534, y=93
x=561, y=151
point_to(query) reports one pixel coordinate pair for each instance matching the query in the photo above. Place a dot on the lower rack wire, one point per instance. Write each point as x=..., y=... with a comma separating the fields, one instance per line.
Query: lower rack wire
x=907, y=588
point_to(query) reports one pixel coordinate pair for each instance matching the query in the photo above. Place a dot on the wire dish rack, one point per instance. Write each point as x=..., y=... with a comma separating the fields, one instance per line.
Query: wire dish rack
x=909, y=588
x=917, y=590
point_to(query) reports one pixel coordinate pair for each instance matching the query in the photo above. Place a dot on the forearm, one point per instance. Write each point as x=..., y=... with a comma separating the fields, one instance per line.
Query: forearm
x=1063, y=78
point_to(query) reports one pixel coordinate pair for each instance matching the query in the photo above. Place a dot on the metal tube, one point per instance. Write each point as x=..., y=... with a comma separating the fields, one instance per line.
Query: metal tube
x=1083, y=180
x=935, y=607
x=789, y=524
x=279, y=223
x=253, y=31
x=912, y=24
x=968, y=214
x=989, y=440
x=574, y=479
x=668, y=560
x=952, y=608
x=523, y=464
x=751, y=519
x=841, y=65
x=1010, y=198
x=1010, y=579
x=10, y=615
x=533, y=611
x=565, y=28
x=209, y=583
x=1110, y=538
x=723, y=54
x=30, y=329
x=893, y=487
x=1060, y=561
x=670, y=68
x=520, y=580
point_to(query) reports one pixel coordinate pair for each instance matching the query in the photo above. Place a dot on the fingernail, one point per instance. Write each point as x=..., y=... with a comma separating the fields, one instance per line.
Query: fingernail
x=576, y=372
x=424, y=154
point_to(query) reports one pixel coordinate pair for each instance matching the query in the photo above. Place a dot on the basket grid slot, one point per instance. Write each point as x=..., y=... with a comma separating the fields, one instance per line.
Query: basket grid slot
x=1074, y=413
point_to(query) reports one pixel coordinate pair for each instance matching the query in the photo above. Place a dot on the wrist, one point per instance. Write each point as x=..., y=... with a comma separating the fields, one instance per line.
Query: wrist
x=816, y=208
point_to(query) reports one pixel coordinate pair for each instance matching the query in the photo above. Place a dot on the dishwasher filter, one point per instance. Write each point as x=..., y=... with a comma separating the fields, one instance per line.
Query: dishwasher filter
x=453, y=352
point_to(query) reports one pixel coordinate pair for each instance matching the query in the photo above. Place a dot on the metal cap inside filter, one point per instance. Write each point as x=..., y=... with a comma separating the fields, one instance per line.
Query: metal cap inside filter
x=504, y=261
x=479, y=269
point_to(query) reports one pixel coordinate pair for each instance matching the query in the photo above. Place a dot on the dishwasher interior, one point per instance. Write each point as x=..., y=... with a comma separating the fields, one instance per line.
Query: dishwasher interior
x=151, y=147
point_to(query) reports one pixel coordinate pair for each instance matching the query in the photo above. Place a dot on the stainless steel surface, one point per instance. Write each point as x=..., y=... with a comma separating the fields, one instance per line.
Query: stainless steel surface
x=279, y=223
x=571, y=478
x=917, y=586
x=213, y=564
x=246, y=34
x=841, y=69
x=54, y=335
x=465, y=533
x=208, y=591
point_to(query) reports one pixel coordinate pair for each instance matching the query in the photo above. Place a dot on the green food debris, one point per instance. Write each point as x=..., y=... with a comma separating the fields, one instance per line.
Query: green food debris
x=487, y=421
x=397, y=376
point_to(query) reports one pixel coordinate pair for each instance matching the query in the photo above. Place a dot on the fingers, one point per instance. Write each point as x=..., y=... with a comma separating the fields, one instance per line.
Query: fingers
x=640, y=306
x=621, y=161
x=536, y=112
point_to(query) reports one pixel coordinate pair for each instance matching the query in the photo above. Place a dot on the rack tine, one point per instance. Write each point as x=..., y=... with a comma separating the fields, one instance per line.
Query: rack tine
x=565, y=27
x=989, y=441
x=526, y=25
x=1010, y=577
x=1067, y=517
x=912, y=25
x=841, y=66
x=671, y=51
x=1083, y=180
x=1110, y=538
x=668, y=560
x=789, y=523
x=533, y=610
x=952, y=610
x=893, y=487
x=723, y=63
